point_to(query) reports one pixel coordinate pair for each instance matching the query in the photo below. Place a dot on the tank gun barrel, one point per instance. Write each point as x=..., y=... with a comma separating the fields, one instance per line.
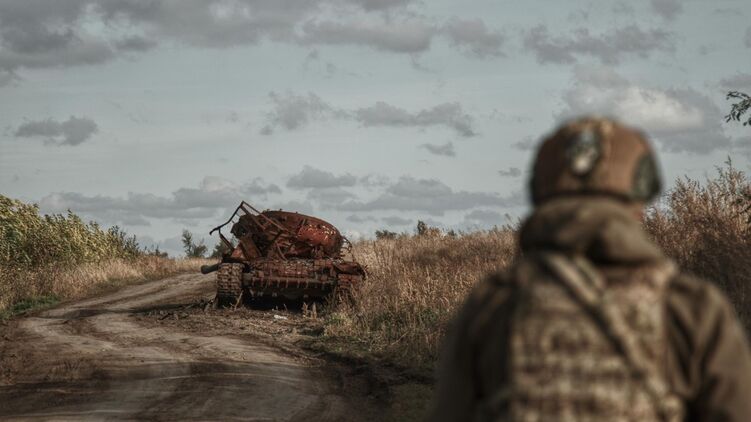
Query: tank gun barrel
x=207, y=269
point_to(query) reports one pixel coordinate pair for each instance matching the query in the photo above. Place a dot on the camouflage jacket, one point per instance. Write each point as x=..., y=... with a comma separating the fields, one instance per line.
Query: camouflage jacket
x=707, y=362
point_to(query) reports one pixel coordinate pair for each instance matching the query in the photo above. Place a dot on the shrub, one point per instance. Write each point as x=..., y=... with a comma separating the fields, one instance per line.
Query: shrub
x=44, y=258
x=705, y=228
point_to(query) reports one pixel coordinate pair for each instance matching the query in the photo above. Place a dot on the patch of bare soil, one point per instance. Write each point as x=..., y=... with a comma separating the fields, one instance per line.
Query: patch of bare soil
x=401, y=394
x=157, y=352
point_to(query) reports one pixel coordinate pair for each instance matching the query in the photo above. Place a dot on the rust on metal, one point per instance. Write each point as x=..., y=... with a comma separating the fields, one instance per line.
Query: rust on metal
x=283, y=254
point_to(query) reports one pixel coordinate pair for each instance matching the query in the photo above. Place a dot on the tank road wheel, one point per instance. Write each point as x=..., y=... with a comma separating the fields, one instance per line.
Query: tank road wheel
x=229, y=286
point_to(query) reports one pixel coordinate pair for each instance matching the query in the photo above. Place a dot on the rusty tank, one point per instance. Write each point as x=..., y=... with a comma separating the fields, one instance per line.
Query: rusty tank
x=282, y=254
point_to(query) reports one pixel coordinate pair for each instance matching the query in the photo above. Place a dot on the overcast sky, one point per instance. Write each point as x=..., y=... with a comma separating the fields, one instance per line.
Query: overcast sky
x=159, y=115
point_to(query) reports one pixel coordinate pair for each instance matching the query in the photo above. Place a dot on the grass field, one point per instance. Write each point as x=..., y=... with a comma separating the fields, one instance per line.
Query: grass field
x=416, y=283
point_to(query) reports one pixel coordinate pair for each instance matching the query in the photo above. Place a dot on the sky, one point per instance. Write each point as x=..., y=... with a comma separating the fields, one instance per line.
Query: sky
x=161, y=115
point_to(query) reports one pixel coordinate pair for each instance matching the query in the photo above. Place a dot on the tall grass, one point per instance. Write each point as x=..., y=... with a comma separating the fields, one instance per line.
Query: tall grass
x=44, y=258
x=416, y=283
x=29, y=240
x=706, y=229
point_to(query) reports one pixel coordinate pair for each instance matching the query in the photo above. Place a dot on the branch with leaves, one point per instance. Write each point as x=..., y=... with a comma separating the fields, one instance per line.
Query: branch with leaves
x=739, y=108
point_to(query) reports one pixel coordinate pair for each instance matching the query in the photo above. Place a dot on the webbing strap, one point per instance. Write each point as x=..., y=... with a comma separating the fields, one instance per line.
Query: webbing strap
x=588, y=287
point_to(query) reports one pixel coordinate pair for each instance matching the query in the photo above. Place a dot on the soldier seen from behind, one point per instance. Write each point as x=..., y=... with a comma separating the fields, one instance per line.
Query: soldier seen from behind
x=594, y=322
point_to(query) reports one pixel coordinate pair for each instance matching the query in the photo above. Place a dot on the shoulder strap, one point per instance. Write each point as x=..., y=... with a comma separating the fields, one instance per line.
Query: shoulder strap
x=587, y=286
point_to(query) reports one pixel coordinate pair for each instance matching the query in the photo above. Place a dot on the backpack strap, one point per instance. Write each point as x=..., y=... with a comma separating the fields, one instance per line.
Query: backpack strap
x=588, y=286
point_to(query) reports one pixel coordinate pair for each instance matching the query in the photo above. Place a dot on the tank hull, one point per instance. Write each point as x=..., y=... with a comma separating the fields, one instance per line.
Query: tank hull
x=284, y=255
x=301, y=279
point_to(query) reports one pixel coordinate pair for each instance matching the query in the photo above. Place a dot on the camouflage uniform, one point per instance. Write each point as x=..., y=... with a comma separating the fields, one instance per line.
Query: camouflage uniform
x=593, y=322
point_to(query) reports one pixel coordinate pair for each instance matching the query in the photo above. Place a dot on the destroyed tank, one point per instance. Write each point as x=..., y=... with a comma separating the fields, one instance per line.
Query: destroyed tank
x=281, y=254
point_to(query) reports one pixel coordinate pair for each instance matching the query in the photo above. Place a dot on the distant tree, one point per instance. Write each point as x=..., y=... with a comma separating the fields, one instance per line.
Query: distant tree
x=157, y=252
x=424, y=230
x=219, y=250
x=385, y=234
x=192, y=249
x=739, y=108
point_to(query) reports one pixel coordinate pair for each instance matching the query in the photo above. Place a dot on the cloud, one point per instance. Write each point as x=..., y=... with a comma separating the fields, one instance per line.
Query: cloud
x=397, y=37
x=212, y=195
x=484, y=218
x=135, y=43
x=472, y=36
x=527, y=143
x=354, y=218
x=680, y=119
x=450, y=115
x=511, y=172
x=733, y=11
x=292, y=111
x=216, y=192
x=8, y=77
x=330, y=197
x=38, y=34
x=310, y=177
x=409, y=34
x=73, y=131
x=374, y=181
x=296, y=206
x=739, y=81
x=609, y=48
x=446, y=149
x=427, y=195
x=667, y=9
x=396, y=220
x=324, y=188
x=747, y=40
x=212, y=24
x=381, y=4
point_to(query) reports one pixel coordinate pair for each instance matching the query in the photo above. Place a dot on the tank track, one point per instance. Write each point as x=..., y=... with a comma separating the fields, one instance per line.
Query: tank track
x=229, y=287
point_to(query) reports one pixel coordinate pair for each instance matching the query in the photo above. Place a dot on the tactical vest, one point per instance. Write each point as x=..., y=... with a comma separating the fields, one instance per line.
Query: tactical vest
x=587, y=347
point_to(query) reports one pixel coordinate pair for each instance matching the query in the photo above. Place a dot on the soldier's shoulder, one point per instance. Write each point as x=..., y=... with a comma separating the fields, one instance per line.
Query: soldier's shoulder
x=499, y=279
x=489, y=296
x=696, y=292
x=698, y=309
x=493, y=284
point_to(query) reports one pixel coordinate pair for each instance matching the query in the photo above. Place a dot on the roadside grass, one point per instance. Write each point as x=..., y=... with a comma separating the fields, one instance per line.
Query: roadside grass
x=413, y=288
x=22, y=291
x=30, y=304
x=46, y=258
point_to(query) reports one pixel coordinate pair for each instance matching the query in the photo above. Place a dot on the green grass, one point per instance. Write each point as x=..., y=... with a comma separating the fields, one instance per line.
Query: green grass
x=30, y=304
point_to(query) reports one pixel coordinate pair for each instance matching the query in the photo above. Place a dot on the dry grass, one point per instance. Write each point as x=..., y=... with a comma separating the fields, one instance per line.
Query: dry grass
x=21, y=287
x=414, y=286
x=416, y=283
x=705, y=228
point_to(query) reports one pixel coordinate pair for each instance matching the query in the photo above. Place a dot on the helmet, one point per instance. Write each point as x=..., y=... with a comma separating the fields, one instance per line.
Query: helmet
x=599, y=156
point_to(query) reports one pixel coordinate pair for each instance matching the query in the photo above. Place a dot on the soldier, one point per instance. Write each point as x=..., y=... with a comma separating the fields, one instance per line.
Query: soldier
x=593, y=322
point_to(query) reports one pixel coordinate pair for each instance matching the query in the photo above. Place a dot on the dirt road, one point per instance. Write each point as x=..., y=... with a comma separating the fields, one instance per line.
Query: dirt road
x=138, y=354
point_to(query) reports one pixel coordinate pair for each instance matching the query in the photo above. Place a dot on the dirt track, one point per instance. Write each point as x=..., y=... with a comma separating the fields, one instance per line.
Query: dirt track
x=138, y=354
